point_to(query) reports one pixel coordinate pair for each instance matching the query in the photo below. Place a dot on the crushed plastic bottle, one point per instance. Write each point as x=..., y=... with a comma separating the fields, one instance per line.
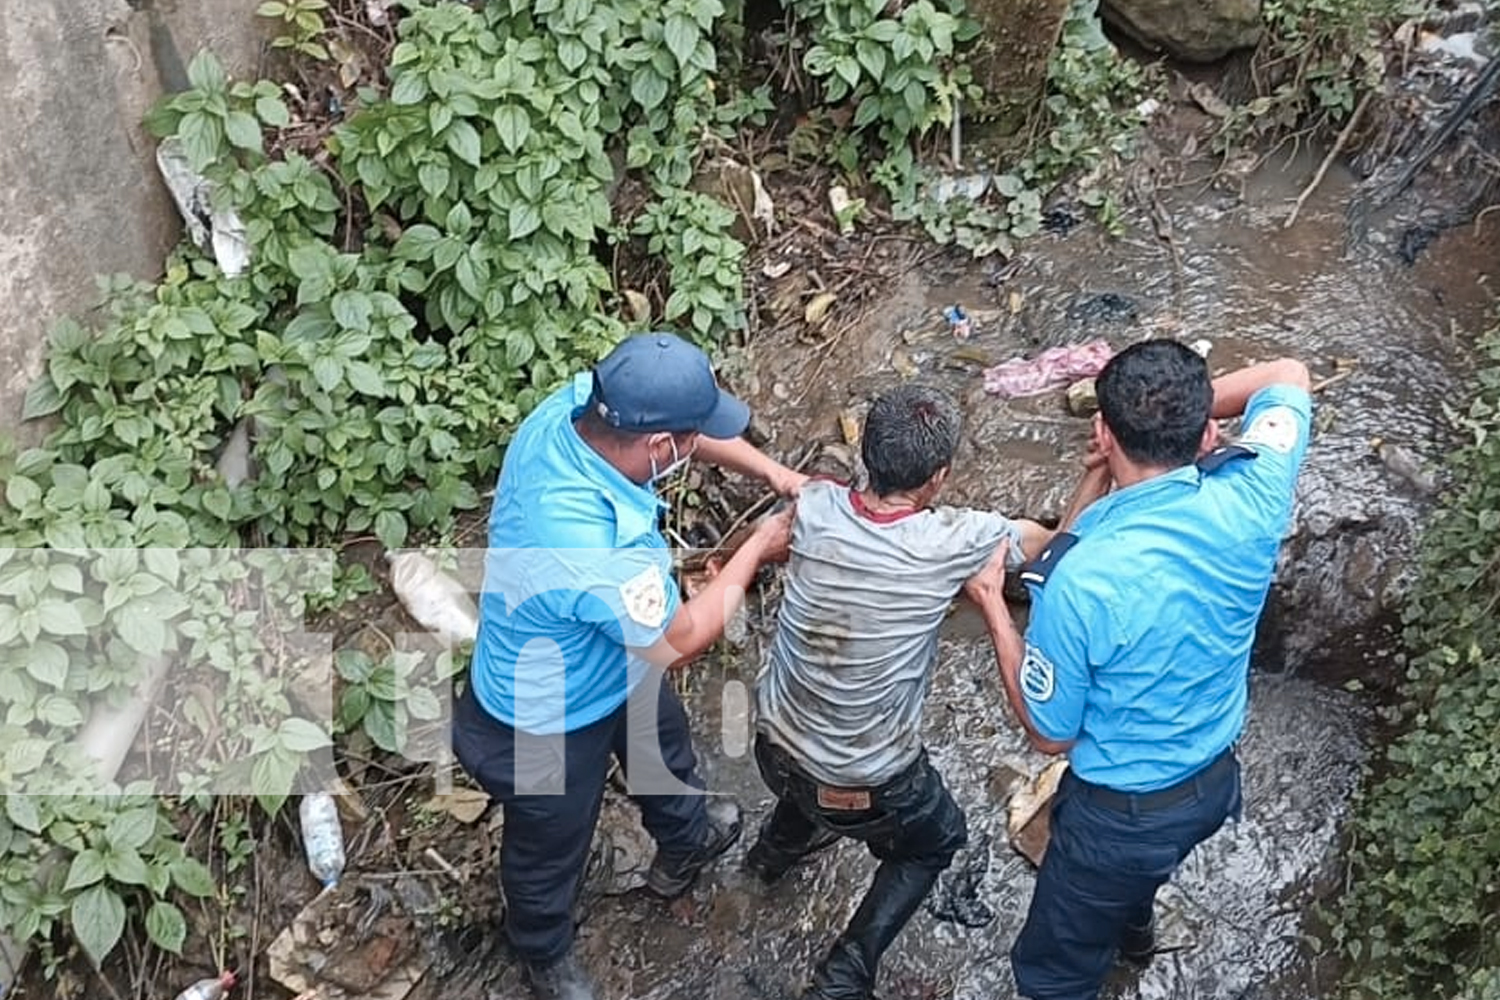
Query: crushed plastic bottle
x=209, y=989
x=958, y=322
x=322, y=837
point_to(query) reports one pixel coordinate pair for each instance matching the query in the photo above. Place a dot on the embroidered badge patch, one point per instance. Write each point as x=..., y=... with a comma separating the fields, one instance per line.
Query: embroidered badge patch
x=645, y=597
x=1275, y=429
x=1036, y=675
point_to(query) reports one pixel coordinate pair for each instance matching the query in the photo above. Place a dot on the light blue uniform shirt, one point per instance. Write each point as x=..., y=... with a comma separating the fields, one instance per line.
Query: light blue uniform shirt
x=577, y=575
x=1139, y=643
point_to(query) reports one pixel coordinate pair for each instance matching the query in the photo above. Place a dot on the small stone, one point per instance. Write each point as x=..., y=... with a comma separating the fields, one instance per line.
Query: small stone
x=1083, y=398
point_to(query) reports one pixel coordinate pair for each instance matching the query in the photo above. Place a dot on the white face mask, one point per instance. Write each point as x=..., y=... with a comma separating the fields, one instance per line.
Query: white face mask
x=678, y=461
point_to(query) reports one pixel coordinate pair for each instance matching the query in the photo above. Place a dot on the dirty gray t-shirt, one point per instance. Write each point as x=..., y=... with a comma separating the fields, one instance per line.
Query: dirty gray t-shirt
x=851, y=663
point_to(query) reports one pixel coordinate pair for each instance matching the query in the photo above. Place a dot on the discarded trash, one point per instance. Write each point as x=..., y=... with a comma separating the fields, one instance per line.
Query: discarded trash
x=776, y=270
x=322, y=837
x=957, y=897
x=1052, y=369
x=1202, y=347
x=234, y=465
x=209, y=989
x=849, y=426
x=639, y=305
x=360, y=943
x=464, y=804
x=213, y=230
x=971, y=186
x=1029, y=817
x=1406, y=464
x=902, y=362
x=845, y=209
x=958, y=322
x=433, y=598
x=1015, y=301
x=817, y=309
x=1204, y=96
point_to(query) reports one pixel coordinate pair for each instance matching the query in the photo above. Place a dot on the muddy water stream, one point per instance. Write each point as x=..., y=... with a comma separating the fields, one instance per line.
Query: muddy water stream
x=1234, y=922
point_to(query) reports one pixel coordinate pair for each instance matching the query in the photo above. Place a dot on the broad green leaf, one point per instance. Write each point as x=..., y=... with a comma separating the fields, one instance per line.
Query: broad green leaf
x=647, y=87
x=243, y=130
x=166, y=927
x=352, y=309
x=514, y=125
x=365, y=378
x=390, y=528
x=272, y=111
x=423, y=704
x=219, y=503
x=86, y=869
x=22, y=493
x=524, y=220
x=126, y=865
x=42, y=399
x=98, y=920
x=193, y=877
x=22, y=809
x=302, y=736
x=47, y=662
x=327, y=372
x=681, y=36
x=59, y=617
x=463, y=141
x=131, y=829
x=411, y=88
x=205, y=72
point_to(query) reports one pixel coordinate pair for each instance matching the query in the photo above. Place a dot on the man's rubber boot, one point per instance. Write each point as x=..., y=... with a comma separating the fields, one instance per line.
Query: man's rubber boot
x=848, y=973
x=564, y=979
x=1138, y=944
x=672, y=875
x=768, y=861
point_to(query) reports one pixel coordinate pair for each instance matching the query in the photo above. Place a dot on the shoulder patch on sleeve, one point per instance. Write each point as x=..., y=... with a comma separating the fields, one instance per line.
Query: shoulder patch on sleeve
x=1223, y=455
x=1276, y=428
x=645, y=597
x=1038, y=677
x=1039, y=569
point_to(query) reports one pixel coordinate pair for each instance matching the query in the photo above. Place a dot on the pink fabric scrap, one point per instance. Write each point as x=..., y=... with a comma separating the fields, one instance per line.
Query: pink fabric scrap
x=1052, y=369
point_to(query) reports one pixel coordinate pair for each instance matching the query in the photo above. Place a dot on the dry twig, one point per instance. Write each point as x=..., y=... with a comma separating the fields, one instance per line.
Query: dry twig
x=1338, y=147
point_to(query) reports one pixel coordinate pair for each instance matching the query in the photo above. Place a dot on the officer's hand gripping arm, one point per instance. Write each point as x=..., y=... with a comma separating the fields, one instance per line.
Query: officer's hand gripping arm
x=739, y=455
x=700, y=620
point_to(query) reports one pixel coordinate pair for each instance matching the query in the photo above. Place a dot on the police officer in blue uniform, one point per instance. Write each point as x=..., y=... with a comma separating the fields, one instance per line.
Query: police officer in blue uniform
x=1135, y=663
x=580, y=613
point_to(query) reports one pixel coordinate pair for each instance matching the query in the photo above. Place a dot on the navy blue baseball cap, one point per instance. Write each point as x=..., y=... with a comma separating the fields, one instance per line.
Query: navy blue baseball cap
x=660, y=382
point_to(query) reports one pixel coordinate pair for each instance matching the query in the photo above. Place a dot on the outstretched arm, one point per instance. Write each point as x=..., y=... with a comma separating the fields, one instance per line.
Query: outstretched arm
x=987, y=590
x=739, y=455
x=1232, y=392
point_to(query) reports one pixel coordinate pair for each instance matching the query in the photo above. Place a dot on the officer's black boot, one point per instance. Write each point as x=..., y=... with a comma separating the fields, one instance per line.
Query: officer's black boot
x=673, y=874
x=1139, y=943
x=563, y=979
x=848, y=973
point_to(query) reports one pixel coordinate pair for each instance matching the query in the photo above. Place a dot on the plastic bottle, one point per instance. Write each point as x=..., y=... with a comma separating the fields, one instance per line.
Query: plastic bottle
x=209, y=989
x=322, y=837
x=958, y=321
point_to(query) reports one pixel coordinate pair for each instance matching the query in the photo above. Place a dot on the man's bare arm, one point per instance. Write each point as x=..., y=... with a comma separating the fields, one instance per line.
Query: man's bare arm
x=987, y=590
x=700, y=620
x=1232, y=392
x=739, y=455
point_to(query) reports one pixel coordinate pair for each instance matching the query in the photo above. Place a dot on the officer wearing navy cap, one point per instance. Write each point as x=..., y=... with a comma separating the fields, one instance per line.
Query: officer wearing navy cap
x=1136, y=659
x=579, y=614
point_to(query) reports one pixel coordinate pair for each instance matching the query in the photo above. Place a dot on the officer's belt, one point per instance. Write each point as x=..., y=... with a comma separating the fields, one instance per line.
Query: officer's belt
x=1162, y=798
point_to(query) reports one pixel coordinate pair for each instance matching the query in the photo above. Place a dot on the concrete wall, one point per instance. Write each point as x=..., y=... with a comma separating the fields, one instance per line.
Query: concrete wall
x=79, y=191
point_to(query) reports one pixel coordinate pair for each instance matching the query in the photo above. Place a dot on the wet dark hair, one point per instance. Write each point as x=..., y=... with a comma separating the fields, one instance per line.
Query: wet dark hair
x=910, y=433
x=1156, y=397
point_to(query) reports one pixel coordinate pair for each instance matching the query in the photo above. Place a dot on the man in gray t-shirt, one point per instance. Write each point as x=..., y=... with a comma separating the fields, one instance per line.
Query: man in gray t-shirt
x=839, y=704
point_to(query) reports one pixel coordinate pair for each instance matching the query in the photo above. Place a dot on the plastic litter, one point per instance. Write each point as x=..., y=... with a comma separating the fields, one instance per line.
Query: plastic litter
x=322, y=837
x=1054, y=368
x=958, y=322
x=433, y=597
x=213, y=230
x=209, y=989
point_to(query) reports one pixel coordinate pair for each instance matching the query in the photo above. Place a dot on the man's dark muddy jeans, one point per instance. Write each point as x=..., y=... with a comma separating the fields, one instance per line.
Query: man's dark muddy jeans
x=911, y=819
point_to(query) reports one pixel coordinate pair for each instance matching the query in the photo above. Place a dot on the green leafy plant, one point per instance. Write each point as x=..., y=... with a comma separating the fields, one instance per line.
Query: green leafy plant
x=1420, y=917
x=384, y=696
x=303, y=24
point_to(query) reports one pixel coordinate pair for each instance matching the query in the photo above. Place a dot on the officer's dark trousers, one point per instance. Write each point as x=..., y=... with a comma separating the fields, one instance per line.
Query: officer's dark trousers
x=913, y=826
x=551, y=787
x=1105, y=861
